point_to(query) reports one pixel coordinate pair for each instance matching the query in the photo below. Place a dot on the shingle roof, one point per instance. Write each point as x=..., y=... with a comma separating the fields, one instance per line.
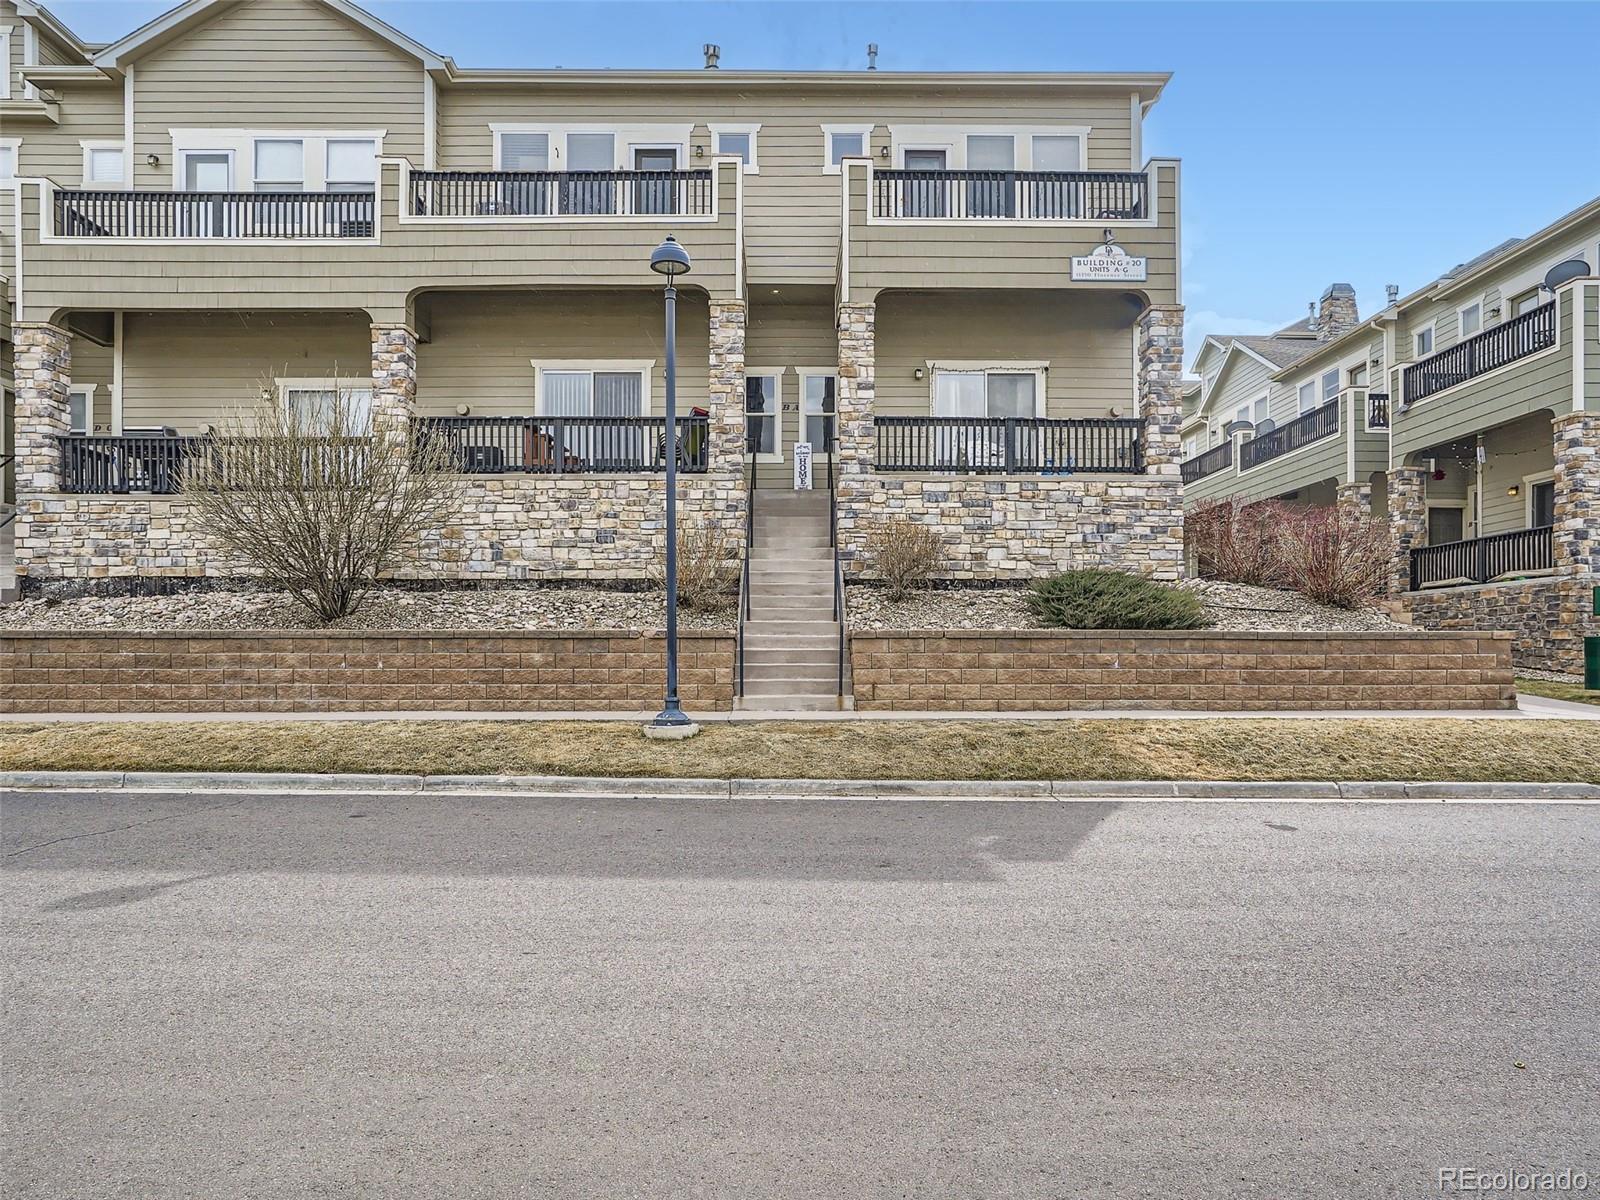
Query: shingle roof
x=1282, y=349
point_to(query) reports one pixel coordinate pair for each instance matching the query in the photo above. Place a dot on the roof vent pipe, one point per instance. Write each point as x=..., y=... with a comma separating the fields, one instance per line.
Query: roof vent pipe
x=712, y=52
x=872, y=56
x=1311, y=310
x=1392, y=291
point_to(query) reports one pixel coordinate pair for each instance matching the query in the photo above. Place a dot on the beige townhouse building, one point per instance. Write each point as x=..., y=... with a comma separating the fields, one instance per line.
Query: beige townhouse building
x=1467, y=414
x=960, y=291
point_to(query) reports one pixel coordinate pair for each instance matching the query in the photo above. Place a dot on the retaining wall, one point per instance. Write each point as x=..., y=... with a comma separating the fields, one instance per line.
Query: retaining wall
x=1548, y=618
x=355, y=671
x=1085, y=669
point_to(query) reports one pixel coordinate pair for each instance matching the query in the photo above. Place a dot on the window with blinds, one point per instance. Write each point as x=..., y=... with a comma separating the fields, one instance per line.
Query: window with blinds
x=524, y=151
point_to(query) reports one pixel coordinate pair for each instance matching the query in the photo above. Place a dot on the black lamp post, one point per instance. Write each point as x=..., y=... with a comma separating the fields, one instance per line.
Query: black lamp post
x=671, y=260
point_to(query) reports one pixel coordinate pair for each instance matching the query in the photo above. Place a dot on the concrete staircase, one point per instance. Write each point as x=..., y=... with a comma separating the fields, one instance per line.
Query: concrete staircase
x=791, y=641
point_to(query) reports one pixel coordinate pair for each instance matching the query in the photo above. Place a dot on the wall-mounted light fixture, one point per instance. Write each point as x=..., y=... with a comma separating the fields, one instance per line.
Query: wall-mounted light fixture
x=1513, y=490
x=883, y=152
x=463, y=409
x=1494, y=313
x=919, y=373
x=152, y=160
x=699, y=151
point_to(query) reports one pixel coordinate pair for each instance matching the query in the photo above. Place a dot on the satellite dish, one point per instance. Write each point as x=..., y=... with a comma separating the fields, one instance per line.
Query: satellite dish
x=1266, y=426
x=1565, y=272
x=1234, y=427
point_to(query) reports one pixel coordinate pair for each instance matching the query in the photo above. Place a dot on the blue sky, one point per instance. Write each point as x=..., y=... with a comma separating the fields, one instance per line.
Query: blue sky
x=1371, y=143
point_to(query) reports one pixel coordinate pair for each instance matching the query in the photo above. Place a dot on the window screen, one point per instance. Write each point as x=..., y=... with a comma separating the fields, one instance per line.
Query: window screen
x=104, y=165
x=524, y=151
x=845, y=145
x=280, y=166
x=1052, y=152
x=352, y=165
x=735, y=143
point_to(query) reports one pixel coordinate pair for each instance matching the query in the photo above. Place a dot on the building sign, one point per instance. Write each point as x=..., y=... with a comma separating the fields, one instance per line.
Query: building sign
x=1110, y=263
x=802, y=466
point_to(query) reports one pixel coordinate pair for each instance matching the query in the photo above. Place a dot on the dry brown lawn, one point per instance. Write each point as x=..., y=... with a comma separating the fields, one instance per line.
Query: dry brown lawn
x=1533, y=751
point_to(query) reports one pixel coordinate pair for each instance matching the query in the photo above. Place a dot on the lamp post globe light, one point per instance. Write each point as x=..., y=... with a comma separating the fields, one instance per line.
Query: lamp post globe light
x=671, y=260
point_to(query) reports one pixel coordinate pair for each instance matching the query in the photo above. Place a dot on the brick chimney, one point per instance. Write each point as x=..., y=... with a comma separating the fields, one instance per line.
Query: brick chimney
x=1338, y=315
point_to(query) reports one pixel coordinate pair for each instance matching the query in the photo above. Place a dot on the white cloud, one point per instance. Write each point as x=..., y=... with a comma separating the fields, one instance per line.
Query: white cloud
x=1200, y=323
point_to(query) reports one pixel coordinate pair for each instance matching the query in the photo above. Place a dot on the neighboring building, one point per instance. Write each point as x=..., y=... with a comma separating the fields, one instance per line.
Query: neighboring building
x=1467, y=414
x=291, y=194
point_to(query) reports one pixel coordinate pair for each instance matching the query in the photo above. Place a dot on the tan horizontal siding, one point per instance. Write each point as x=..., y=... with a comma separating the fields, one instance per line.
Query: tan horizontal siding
x=1526, y=447
x=93, y=364
x=186, y=369
x=792, y=206
x=285, y=64
x=482, y=346
x=1087, y=341
x=90, y=112
x=787, y=337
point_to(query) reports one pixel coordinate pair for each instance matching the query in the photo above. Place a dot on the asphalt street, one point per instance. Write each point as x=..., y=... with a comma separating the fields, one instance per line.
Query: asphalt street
x=420, y=996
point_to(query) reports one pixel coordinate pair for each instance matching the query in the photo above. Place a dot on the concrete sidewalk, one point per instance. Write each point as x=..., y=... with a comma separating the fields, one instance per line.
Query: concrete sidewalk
x=1529, y=708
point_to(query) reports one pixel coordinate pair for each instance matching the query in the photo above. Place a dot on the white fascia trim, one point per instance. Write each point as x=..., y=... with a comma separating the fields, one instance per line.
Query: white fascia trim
x=1580, y=326
x=1135, y=131
x=116, y=372
x=864, y=128
x=1207, y=393
x=5, y=57
x=430, y=122
x=753, y=167
x=643, y=367
x=129, y=168
x=30, y=58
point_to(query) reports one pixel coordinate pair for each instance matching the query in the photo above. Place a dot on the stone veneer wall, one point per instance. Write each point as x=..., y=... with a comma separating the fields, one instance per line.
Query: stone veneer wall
x=1548, y=618
x=1577, y=493
x=1055, y=670
x=519, y=527
x=1024, y=527
x=358, y=671
x=1408, y=521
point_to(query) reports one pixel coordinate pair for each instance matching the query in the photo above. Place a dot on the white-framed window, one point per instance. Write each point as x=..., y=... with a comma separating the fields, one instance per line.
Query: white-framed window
x=1254, y=413
x=1057, y=152
x=1330, y=385
x=1540, y=505
x=1191, y=447
x=1469, y=320
x=351, y=165
x=738, y=140
x=1358, y=375
x=763, y=412
x=1422, y=341
x=10, y=152
x=313, y=402
x=104, y=164
x=280, y=165
x=1010, y=391
x=840, y=142
x=521, y=150
x=600, y=388
x=80, y=407
x=1526, y=302
x=819, y=392
x=1307, y=397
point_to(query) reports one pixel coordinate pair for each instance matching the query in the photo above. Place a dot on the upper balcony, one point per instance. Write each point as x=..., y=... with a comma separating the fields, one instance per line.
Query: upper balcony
x=373, y=250
x=1521, y=336
x=921, y=229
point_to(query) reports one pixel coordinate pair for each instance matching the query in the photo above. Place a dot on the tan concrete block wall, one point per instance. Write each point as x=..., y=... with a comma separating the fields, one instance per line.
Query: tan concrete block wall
x=358, y=671
x=1048, y=670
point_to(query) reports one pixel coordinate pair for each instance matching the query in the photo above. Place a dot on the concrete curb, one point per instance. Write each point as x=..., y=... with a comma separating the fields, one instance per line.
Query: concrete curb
x=772, y=789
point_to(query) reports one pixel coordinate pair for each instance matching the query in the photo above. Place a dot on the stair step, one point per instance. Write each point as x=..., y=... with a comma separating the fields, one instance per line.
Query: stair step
x=790, y=687
x=780, y=703
x=791, y=656
x=804, y=643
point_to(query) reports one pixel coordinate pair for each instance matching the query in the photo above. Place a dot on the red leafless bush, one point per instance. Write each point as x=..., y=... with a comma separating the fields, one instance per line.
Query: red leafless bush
x=1236, y=541
x=1336, y=560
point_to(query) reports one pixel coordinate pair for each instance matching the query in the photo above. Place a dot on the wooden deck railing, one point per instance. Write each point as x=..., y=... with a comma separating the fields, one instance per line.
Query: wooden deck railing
x=157, y=464
x=1011, y=195
x=215, y=215
x=568, y=445
x=1209, y=462
x=1479, y=560
x=562, y=193
x=1010, y=445
x=1302, y=431
x=1519, y=337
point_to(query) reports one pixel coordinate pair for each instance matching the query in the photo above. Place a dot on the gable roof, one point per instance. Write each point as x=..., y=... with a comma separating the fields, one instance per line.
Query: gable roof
x=191, y=13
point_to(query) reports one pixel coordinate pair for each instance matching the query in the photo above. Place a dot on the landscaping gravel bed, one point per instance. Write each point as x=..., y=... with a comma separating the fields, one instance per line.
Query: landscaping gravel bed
x=385, y=608
x=1231, y=607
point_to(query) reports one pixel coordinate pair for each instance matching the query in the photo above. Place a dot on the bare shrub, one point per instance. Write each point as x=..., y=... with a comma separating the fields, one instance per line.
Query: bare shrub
x=904, y=555
x=708, y=570
x=1237, y=542
x=313, y=501
x=1337, y=560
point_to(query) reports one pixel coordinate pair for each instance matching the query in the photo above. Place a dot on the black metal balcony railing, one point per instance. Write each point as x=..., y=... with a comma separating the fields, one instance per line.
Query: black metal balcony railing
x=1377, y=410
x=1013, y=195
x=1209, y=462
x=1519, y=337
x=220, y=215
x=1009, y=445
x=568, y=445
x=1302, y=431
x=562, y=193
x=1479, y=560
x=157, y=464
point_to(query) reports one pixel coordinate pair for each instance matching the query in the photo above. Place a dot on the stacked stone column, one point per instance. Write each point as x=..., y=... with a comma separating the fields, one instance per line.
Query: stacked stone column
x=394, y=381
x=1353, y=502
x=1160, y=375
x=1577, y=493
x=1408, y=520
x=855, y=394
x=43, y=370
x=725, y=454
